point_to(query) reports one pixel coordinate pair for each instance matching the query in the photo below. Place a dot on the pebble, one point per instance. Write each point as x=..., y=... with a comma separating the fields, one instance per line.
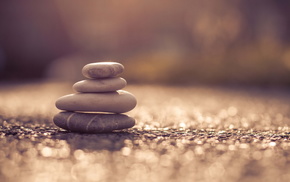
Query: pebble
x=116, y=102
x=100, y=85
x=102, y=70
x=92, y=123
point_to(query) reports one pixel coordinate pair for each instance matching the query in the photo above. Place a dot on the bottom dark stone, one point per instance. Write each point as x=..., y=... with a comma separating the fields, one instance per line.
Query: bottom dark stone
x=92, y=122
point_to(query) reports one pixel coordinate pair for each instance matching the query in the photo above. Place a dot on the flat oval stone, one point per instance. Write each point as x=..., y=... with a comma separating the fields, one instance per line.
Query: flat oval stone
x=100, y=85
x=102, y=70
x=92, y=123
x=116, y=102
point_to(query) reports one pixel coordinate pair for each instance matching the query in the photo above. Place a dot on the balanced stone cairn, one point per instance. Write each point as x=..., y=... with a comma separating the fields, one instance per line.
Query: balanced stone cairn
x=97, y=105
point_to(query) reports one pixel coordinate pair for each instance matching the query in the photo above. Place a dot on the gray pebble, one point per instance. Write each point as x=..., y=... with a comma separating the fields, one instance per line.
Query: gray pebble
x=116, y=102
x=102, y=70
x=100, y=85
x=92, y=123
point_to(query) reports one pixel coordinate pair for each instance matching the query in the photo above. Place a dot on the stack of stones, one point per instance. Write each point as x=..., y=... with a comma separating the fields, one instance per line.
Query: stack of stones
x=97, y=105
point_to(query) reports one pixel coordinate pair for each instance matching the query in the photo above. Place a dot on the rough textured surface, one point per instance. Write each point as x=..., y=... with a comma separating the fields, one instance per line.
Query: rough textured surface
x=181, y=134
x=102, y=70
x=92, y=123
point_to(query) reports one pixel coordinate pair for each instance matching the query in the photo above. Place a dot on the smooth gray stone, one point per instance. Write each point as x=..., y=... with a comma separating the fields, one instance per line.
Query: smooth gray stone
x=92, y=123
x=102, y=70
x=100, y=85
x=116, y=102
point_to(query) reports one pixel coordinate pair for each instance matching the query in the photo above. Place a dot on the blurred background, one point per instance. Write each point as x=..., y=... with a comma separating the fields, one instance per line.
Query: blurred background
x=240, y=42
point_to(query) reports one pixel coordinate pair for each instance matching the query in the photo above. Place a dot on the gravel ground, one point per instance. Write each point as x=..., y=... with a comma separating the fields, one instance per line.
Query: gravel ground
x=182, y=134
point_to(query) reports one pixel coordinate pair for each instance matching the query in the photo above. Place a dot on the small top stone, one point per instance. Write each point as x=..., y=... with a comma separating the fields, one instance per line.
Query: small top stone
x=102, y=70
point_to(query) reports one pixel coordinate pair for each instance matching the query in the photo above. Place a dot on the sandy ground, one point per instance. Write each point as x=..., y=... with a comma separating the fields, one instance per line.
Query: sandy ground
x=181, y=134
